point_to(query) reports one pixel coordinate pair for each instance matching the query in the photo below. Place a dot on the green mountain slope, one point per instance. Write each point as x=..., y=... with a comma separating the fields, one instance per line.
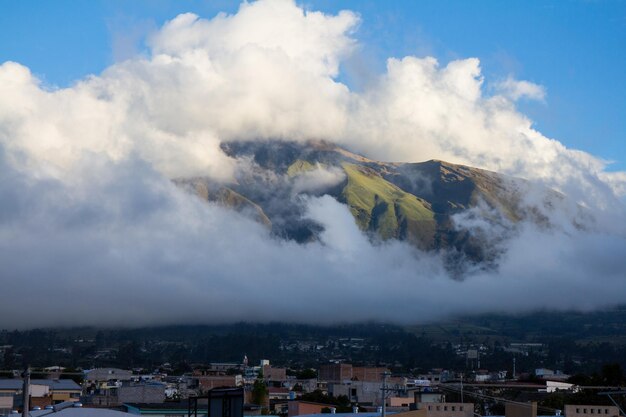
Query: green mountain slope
x=380, y=206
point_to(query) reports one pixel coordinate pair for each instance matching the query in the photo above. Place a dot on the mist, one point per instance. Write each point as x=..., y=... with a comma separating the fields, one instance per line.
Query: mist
x=94, y=232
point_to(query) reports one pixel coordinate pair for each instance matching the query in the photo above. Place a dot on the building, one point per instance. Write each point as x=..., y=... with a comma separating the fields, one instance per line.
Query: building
x=223, y=366
x=423, y=396
x=361, y=392
x=42, y=392
x=107, y=374
x=127, y=392
x=341, y=372
x=371, y=374
x=335, y=372
x=553, y=386
x=400, y=401
x=206, y=383
x=272, y=374
x=436, y=376
x=415, y=413
x=447, y=409
x=298, y=408
x=591, y=411
x=226, y=402
x=279, y=393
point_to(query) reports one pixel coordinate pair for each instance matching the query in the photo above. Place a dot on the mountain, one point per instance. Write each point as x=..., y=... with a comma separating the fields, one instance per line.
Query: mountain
x=429, y=204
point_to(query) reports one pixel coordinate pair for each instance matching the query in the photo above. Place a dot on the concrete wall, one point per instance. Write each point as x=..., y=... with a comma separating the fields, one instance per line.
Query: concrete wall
x=447, y=409
x=39, y=390
x=591, y=411
x=298, y=408
x=428, y=397
x=209, y=382
x=274, y=374
x=6, y=403
x=358, y=391
x=141, y=394
x=400, y=401
x=368, y=374
x=335, y=372
x=339, y=372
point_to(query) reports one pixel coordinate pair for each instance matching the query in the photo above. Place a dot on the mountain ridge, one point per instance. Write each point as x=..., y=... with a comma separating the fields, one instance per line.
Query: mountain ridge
x=418, y=202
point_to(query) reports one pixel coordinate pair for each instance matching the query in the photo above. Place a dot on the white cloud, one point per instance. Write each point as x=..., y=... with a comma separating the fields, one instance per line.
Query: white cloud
x=517, y=89
x=318, y=179
x=85, y=188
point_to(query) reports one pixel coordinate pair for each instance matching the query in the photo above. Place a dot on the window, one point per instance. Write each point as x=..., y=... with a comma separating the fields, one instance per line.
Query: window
x=430, y=407
x=445, y=408
x=606, y=411
x=453, y=408
x=578, y=411
x=461, y=408
x=438, y=408
x=592, y=411
x=585, y=410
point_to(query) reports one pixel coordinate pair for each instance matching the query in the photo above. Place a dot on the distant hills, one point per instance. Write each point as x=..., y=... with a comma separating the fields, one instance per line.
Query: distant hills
x=462, y=211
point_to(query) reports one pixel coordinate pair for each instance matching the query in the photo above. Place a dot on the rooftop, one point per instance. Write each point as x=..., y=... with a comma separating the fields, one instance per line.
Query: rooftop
x=54, y=384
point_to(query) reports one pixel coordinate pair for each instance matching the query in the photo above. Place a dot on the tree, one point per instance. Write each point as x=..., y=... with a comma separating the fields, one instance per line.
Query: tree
x=260, y=393
x=9, y=359
x=612, y=374
x=306, y=374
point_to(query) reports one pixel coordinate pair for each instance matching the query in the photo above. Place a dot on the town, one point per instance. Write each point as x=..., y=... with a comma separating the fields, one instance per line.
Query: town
x=289, y=370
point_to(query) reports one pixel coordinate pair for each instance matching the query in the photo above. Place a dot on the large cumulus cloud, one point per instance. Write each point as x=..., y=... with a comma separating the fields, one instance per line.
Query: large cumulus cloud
x=94, y=232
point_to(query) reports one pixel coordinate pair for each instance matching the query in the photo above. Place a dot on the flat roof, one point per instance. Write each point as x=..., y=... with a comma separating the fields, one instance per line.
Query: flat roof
x=55, y=384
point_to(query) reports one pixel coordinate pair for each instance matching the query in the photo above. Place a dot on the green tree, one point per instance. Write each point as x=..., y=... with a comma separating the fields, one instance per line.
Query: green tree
x=612, y=374
x=259, y=392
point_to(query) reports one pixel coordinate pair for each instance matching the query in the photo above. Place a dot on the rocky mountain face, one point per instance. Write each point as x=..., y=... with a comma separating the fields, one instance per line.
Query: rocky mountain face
x=434, y=205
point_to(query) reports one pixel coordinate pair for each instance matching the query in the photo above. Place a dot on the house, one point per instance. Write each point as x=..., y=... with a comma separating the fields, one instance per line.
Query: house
x=272, y=374
x=591, y=411
x=362, y=392
x=446, y=409
x=553, y=386
x=340, y=372
x=400, y=401
x=127, y=392
x=428, y=396
x=335, y=372
x=279, y=393
x=206, y=383
x=105, y=378
x=42, y=392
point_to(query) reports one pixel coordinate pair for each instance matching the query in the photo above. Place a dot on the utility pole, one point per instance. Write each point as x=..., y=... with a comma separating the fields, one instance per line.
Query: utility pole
x=462, y=387
x=384, y=390
x=26, y=392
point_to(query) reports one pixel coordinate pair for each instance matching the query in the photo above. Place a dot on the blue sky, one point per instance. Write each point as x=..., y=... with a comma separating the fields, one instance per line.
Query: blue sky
x=575, y=49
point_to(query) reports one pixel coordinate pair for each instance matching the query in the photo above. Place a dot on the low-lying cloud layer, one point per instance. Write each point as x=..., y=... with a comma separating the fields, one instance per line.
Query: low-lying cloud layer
x=94, y=232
